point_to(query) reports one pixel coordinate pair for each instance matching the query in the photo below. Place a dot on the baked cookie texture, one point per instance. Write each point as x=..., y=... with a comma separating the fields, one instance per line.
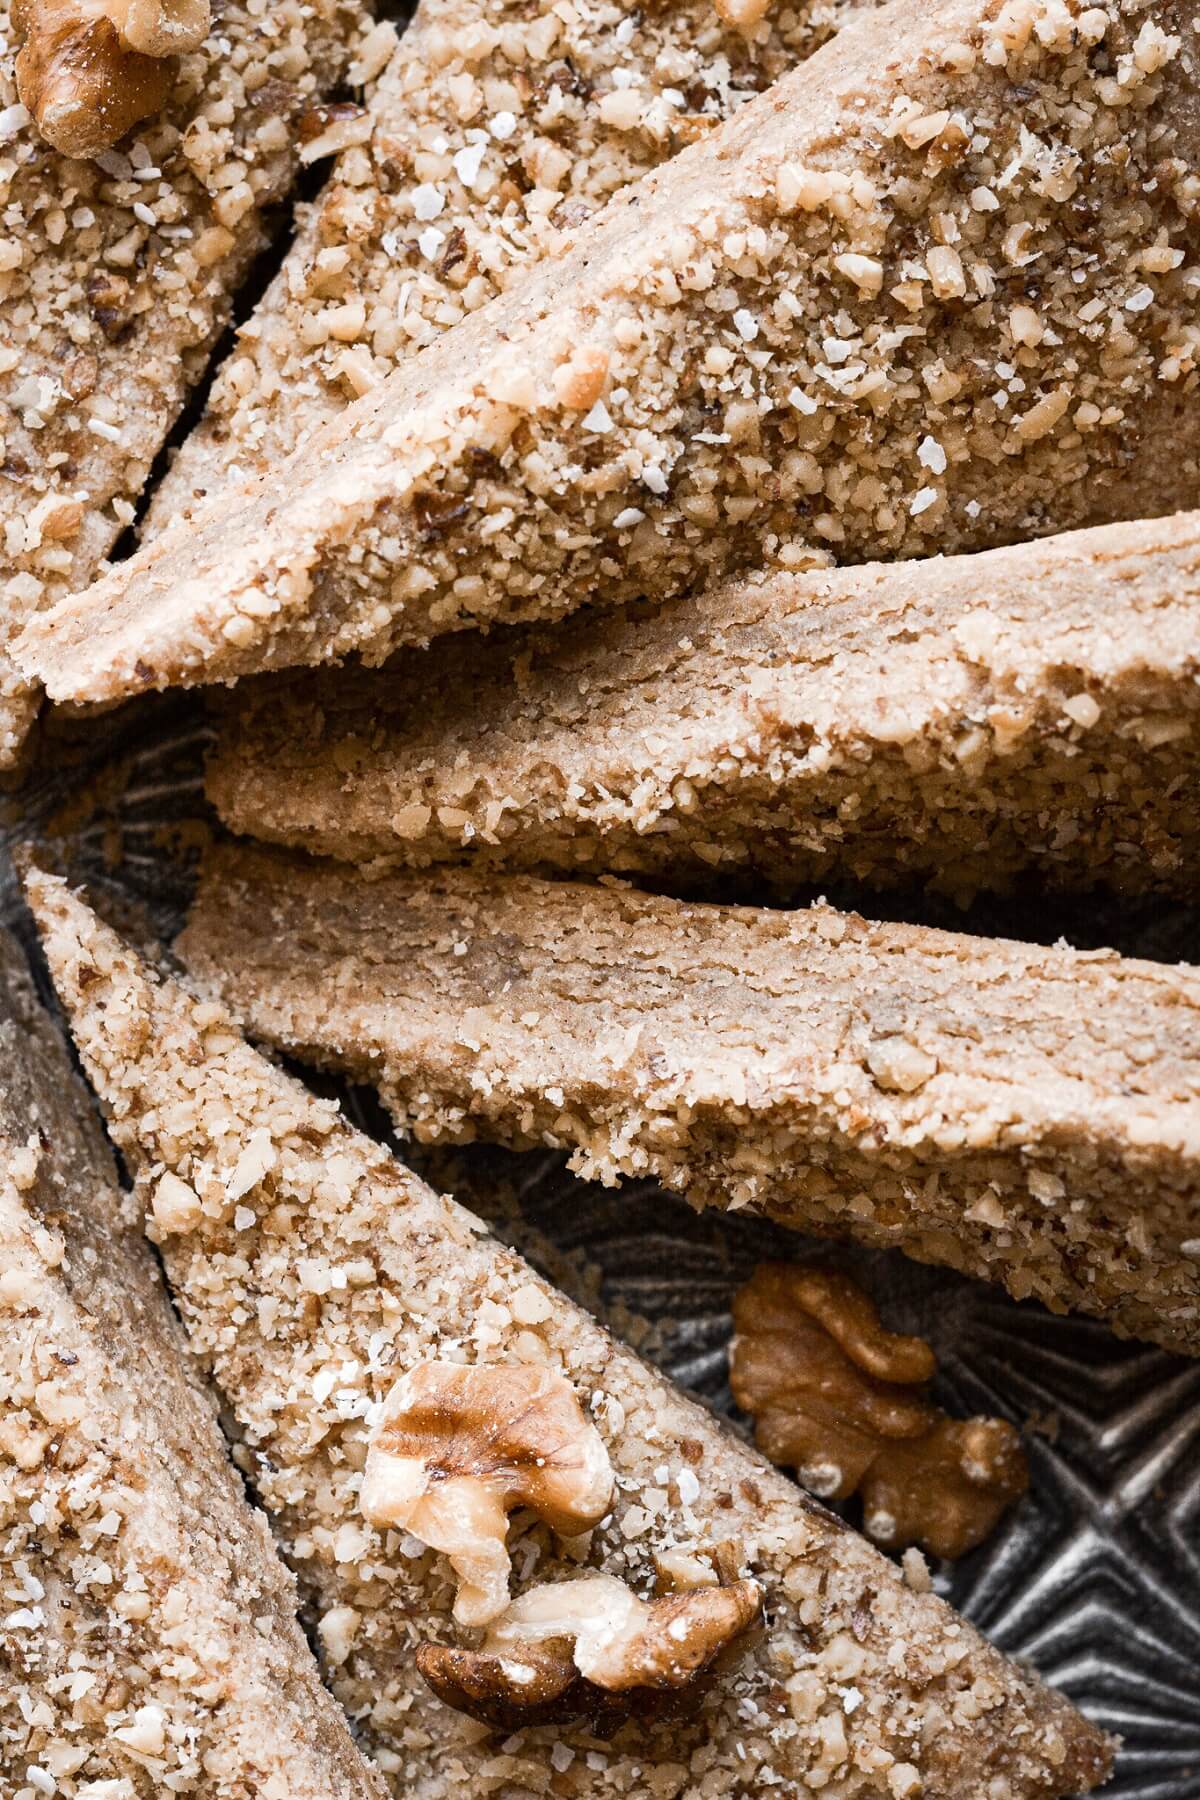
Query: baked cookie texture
x=961, y=720
x=493, y=129
x=116, y=277
x=932, y=290
x=1027, y=1115
x=311, y=1269
x=148, y=1634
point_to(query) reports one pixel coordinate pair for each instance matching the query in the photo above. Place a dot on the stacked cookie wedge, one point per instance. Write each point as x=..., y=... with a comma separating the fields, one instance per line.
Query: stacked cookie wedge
x=787, y=417
x=148, y=1640
x=311, y=1268
x=961, y=721
x=492, y=128
x=882, y=311
x=1027, y=1115
x=118, y=273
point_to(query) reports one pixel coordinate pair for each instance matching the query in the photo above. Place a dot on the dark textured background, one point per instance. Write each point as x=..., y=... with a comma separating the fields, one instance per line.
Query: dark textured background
x=1095, y=1578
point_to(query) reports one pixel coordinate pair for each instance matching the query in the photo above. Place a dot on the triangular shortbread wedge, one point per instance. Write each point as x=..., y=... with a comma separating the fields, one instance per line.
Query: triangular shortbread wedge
x=493, y=127
x=964, y=719
x=1024, y=1114
x=117, y=275
x=148, y=1643
x=312, y=1270
x=932, y=290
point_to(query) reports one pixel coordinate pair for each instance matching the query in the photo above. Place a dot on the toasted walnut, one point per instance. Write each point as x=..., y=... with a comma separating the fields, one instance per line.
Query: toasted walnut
x=591, y=1648
x=839, y=1399
x=457, y=1448
x=581, y=380
x=161, y=27
x=947, y=1491
x=743, y=15
x=89, y=70
x=824, y=1382
x=510, y=1691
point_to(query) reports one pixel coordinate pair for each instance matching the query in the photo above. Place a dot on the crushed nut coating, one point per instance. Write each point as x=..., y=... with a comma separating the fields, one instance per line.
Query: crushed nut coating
x=960, y=720
x=495, y=127
x=320, y=1266
x=1024, y=1114
x=148, y=1637
x=814, y=331
x=842, y=1401
x=116, y=277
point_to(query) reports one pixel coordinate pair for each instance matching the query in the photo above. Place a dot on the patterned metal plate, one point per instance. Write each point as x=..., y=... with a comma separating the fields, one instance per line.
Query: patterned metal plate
x=1095, y=1578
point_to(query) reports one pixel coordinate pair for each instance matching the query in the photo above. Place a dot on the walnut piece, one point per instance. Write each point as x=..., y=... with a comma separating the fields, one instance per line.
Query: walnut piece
x=161, y=27
x=842, y=1401
x=458, y=1447
x=591, y=1648
x=89, y=70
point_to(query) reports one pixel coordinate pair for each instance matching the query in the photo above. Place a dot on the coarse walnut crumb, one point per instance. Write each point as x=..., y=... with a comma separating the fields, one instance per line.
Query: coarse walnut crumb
x=839, y=1399
x=89, y=70
x=457, y=1448
x=591, y=1648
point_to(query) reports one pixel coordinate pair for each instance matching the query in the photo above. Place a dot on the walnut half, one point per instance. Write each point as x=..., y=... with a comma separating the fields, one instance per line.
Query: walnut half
x=89, y=70
x=842, y=1401
x=590, y=1648
x=459, y=1446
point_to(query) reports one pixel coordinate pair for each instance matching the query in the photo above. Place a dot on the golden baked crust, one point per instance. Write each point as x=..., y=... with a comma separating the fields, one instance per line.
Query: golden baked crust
x=116, y=277
x=319, y=1268
x=1027, y=1115
x=883, y=309
x=959, y=720
x=149, y=1637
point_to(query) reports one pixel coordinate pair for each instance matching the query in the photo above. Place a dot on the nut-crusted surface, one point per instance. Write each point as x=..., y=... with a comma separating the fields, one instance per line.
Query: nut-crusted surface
x=493, y=128
x=932, y=289
x=962, y=719
x=116, y=276
x=1025, y=1114
x=321, y=1266
x=148, y=1637
x=843, y=1402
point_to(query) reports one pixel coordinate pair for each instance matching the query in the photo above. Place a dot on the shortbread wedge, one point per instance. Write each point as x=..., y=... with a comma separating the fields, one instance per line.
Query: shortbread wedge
x=960, y=720
x=117, y=275
x=1027, y=1115
x=149, y=1642
x=493, y=127
x=887, y=308
x=313, y=1271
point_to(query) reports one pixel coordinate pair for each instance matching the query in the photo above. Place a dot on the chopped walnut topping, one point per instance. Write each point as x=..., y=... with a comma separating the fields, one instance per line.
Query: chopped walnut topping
x=458, y=1447
x=591, y=1648
x=84, y=83
x=946, y=1491
x=839, y=1399
x=161, y=27
x=89, y=70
